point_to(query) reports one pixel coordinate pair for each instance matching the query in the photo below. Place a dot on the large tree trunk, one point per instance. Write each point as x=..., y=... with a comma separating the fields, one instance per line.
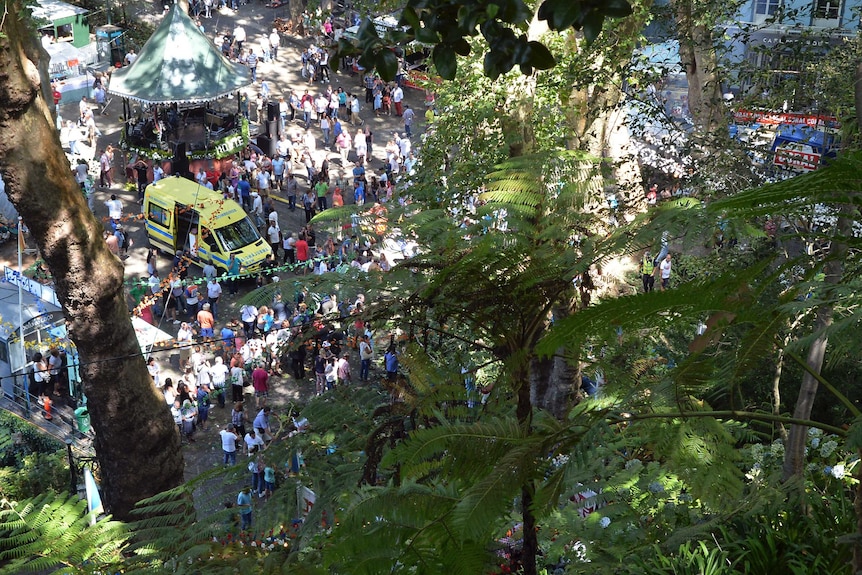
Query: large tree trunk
x=136, y=440
x=697, y=53
x=794, y=451
x=594, y=112
x=524, y=413
x=552, y=383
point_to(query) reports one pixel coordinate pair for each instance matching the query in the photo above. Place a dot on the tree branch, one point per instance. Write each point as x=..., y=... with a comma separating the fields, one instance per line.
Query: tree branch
x=733, y=414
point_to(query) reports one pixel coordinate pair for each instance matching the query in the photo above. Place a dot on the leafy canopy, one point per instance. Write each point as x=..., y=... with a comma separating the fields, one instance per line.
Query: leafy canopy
x=446, y=26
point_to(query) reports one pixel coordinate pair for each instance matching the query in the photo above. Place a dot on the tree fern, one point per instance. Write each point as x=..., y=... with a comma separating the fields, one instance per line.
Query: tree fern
x=53, y=532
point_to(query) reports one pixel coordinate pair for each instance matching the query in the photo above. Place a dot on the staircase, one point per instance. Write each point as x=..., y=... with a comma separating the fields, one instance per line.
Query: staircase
x=61, y=427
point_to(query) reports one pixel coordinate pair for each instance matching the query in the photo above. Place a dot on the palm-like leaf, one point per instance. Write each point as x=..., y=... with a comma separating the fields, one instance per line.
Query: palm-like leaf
x=53, y=532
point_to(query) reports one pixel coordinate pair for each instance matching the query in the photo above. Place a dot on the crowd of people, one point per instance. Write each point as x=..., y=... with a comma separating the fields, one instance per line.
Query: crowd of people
x=264, y=346
x=323, y=158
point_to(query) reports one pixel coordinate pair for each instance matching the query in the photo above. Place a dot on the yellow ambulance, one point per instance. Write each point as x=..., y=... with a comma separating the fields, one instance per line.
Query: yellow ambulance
x=183, y=215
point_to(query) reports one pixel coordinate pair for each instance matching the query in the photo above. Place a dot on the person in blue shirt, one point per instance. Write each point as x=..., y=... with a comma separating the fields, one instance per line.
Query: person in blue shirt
x=234, y=266
x=359, y=193
x=390, y=359
x=228, y=336
x=358, y=173
x=278, y=168
x=244, y=189
x=243, y=501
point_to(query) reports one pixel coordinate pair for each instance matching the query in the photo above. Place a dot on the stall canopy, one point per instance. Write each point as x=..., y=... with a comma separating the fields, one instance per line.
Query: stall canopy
x=179, y=64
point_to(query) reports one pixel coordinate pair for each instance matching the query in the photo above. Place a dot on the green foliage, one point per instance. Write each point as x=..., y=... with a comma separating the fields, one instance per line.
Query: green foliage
x=415, y=478
x=54, y=532
x=448, y=26
x=690, y=559
x=35, y=474
x=19, y=438
x=32, y=462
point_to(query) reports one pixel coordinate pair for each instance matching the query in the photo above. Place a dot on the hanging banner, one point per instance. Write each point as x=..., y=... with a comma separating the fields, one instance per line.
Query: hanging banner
x=305, y=498
x=43, y=292
x=94, y=500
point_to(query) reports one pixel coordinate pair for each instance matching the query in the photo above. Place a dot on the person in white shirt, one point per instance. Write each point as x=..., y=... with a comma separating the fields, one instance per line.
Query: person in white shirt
x=218, y=376
x=237, y=382
x=309, y=141
x=253, y=442
x=330, y=372
x=321, y=103
x=404, y=146
x=213, y=295
x=257, y=208
x=665, y=269
x=397, y=98
x=273, y=233
x=185, y=339
x=282, y=146
x=239, y=37
x=274, y=43
x=248, y=316
x=288, y=244
x=265, y=48
x=263, y=178
x=115, y=210
x=228, y=444
x=174, y=300
x=83, y=107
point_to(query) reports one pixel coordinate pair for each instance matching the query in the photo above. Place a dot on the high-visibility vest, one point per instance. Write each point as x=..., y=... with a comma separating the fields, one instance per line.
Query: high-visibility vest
x=648, y=266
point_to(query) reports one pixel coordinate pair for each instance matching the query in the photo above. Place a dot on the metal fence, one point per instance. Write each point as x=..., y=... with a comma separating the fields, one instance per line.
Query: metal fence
x=61, y=427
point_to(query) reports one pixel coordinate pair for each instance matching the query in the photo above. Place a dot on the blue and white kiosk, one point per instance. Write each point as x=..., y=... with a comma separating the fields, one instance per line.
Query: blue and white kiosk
x=35, y=316
x=40, y=315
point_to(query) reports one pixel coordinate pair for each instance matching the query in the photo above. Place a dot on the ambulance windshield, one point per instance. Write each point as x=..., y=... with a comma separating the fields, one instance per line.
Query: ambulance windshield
x=237, y=235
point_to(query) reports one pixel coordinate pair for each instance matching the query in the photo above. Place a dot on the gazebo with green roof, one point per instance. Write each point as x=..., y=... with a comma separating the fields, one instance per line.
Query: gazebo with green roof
x=176, y=79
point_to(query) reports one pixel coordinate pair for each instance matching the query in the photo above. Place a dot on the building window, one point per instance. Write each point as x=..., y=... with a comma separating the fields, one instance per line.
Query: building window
x=766, y=7
x=827, y=9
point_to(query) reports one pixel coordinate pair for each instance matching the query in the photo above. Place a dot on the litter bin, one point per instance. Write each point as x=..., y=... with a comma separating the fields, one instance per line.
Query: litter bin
x=82, y=417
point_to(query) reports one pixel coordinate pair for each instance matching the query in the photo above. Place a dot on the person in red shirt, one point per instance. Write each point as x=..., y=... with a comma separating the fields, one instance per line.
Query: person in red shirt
x=301, y=248
x=260, y=382
x=56, y=94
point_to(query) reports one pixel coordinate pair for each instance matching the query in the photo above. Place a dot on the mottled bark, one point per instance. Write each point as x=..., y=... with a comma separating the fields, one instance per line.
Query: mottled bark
x=594, y=112
x=794, y=449
x=136, y=440
x=552, y=384
x=552, y=379
x=697, y=53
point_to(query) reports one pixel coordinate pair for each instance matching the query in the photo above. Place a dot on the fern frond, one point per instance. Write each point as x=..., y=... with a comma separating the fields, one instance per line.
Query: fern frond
x=53, y=530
